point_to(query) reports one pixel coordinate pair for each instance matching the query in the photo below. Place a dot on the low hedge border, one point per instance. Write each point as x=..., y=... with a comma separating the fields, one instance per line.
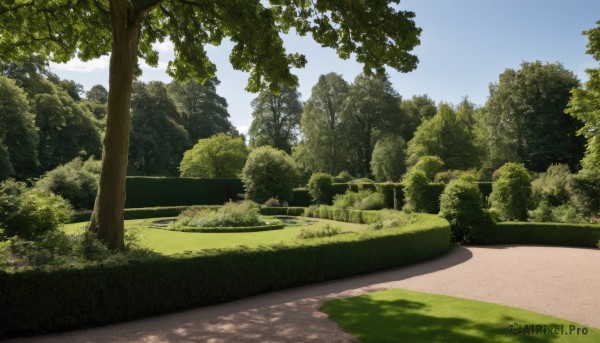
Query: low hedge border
x=229, y=229
x=52, y=298
x=562, y=234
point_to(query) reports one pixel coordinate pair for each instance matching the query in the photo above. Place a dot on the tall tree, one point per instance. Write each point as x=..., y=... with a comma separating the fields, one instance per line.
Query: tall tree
x=448, y=136
x=220, y=156
x=389, y=155
x=276, y=119
x=415, y=110
x=524, y=118
x=205, y=110
x=158, y=138
x=97, y=93
x=17, y=130
x=372, y=31
x=585, y=104
x=322, y=127
x=371, y=110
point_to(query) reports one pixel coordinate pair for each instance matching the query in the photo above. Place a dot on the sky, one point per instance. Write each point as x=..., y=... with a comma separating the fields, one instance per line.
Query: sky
x=465, y=46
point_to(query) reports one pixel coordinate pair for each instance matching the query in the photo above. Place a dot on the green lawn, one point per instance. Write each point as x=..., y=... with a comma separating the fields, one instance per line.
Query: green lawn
x=397, y=315
x=173, y=242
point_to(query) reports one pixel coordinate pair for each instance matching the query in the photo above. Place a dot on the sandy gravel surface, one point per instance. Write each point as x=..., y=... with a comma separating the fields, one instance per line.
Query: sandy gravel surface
x=563, y=282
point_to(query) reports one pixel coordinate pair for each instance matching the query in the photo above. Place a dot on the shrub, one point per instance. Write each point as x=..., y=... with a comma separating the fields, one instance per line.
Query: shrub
x=320, y=187
x=361, y=200
x=430, y=165
x=585, y=186
x=76, y=181
x=242, y=214
x=272, y=202
x=552, y=186
x=511, y=193
x=462, y=205
x=326, y=231
x=415, y=188
x=542, y=213
x=220, y=156
x=343, y=177
x=450, y=175
x=269, y=173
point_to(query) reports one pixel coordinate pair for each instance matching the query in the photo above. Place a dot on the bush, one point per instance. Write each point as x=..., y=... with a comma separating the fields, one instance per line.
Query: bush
x=361, y=200
x=585, y=186
x=450, y=175
x=326, y=231
x=246, y=213
x=272, y=202
x=542, y=213
x=320, y=187
x=220, y=156
x=415, y=189
x=552, y=187
x=269, y=173
x=462, y=205
x=76, y=181
x=511, y=193
x=29, y=213
x=343, y=177
x=430, y=165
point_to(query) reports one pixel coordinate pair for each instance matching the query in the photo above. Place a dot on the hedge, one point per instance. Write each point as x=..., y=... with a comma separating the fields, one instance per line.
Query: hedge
x=268, y=227
x=50, y=299
x=282, y=211
x=140, y=213
x=180, y=191
x=563, y=234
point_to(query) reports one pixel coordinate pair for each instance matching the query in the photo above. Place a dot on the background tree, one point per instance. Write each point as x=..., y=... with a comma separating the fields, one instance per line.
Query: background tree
x=524, y=118
x=388, y=163
x=97, y=93
x=448, y=136
x=585, y=104
x=415, y=110
x=204, y=110
x=276, y=119
x=371, y=110
x=374, y=32
x=322, y=127
x=158, y=138
x=72, y=88
x=220, y=156
x=18, y=134
x=6, y=168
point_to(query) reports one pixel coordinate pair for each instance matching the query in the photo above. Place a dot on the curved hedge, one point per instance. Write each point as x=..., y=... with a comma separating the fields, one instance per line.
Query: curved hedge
x=51, y=299
x=268, y=227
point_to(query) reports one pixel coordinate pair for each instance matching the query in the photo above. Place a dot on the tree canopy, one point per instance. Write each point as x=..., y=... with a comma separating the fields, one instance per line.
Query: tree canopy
x=220, y=156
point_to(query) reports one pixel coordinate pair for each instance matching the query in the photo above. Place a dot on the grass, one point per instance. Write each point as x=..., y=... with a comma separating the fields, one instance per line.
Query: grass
x=174, y=242
x=398, y=315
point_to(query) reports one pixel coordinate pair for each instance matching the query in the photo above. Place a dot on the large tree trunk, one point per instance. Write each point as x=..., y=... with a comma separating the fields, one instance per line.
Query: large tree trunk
x=107, y=219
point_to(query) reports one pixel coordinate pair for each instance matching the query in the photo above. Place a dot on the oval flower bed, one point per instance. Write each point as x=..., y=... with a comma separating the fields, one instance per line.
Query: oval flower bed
x=231, y=217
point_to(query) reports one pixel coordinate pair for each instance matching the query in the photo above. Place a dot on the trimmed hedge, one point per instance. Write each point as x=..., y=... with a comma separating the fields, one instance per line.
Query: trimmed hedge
x=51, y=299
x=300, y=197
x=282, y=211
x=180, y=191
x=268, y=227
x=141, y=213
x=563, y=234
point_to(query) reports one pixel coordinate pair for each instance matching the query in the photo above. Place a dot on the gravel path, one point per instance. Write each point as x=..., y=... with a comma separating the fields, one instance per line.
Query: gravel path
x=562, y=282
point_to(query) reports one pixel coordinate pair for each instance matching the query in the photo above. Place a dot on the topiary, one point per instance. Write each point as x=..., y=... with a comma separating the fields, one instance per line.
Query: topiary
x=415, y=188
x=462, y=205
x=269, y=173
x=319, y=188
x=511, y=194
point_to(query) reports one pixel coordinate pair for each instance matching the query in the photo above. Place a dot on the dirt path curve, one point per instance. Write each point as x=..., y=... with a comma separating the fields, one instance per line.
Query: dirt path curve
x=562, y=282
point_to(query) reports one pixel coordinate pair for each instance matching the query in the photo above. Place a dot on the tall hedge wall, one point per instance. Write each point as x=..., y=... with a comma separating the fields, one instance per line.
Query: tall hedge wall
x=44, y=300
x=180, y=191
x=563, y=234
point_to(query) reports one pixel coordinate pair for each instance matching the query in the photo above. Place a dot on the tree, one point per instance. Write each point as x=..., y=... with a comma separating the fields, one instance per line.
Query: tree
x=276, y=119
x=220, y=156
x=524, y=118
x=388, y=163
x=511, y=194
x=585, y=104
x=72, y=88
x=204, y=110
x=448, y=136
x=415, y=110
x=158, y=137
x=17, y=130
x=371, y=110
x=377, y=34
x=322, y=127
x=97, y=93
x=269, y=173
x=6, y=168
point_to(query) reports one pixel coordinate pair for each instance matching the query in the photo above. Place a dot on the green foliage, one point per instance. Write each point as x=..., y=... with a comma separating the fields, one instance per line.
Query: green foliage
x=416, y=109
x=562, y=234
x=343, y=177
x=276, y=119
x=76, y=181
x=145, y=191
x=462, y=205
x=552, y=187
x=430, y=165
x=272, y=202
x=585, y=187
x=511, y=193
x=320, y=188
x=6, y=168
x=450, y=175
x=269, y=173
x=361, y=200
x=246, y=213
x=387, y=163
x=415, y=183
x=326, y=231
x=448, y=135
x=524, y=118
x=97, y=93
x=220, y=156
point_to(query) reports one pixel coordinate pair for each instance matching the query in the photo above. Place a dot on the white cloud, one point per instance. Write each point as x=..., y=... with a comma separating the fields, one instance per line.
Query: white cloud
x=166, y=46
x=78, y=66
x=243, y=129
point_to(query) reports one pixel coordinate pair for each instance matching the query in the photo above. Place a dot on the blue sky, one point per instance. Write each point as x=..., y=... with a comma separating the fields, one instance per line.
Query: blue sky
x=465, y=45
